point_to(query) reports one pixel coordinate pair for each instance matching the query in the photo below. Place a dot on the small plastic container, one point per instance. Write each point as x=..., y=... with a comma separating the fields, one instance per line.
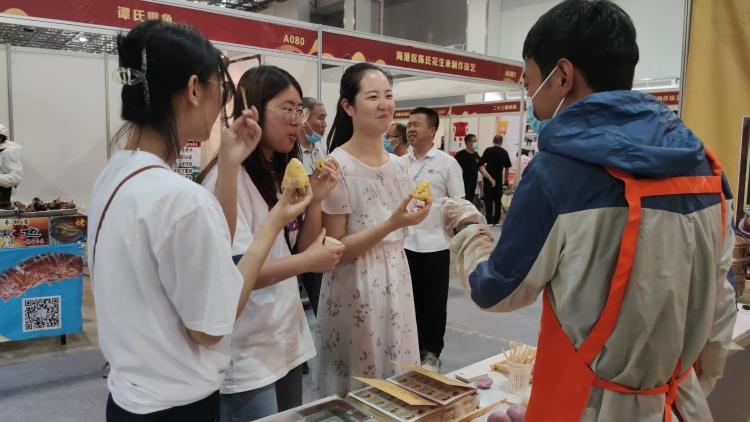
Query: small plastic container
x=519, y=376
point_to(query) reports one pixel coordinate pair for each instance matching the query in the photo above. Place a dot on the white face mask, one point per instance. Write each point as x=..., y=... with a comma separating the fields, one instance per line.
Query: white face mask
x=536, y=124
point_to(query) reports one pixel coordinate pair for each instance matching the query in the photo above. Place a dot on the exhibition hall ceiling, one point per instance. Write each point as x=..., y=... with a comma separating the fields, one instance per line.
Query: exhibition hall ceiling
x=244, y=5
x=55, y=39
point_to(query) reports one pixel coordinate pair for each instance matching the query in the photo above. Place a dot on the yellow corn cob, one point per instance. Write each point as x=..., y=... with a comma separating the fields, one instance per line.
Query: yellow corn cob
x=423, y=191
x=295, y=171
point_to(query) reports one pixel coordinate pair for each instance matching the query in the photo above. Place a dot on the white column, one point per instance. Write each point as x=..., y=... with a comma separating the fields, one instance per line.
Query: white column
x=349, y=18
x=494, y=21
x=362, y=15
x=476, y=26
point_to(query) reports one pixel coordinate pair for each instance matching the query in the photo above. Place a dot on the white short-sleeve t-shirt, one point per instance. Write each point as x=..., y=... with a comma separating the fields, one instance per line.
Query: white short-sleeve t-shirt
x=271, y=336
x=163, y=265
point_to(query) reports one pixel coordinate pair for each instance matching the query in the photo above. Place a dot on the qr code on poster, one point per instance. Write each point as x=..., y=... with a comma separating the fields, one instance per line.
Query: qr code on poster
x=41, y=313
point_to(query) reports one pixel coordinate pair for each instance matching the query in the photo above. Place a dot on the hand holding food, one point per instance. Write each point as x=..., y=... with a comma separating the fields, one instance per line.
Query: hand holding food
x=292, y=203
x=402, y=217
x=322, y=256
x=324, y=179
x=241, y=138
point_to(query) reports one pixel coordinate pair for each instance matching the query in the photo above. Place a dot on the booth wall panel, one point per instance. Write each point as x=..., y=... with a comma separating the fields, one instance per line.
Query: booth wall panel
x=4, y=100
x=329, y=97
x=440, y=133
x=486, y=130
x=60, y=120
x=305, y=72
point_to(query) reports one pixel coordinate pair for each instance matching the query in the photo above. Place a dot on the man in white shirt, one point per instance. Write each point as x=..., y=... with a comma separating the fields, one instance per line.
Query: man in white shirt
x=311, y=133
x=312, y=149
x=11, y=167
x=427, y=248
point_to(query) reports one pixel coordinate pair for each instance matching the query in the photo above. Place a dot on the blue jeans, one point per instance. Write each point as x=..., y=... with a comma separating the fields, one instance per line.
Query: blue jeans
x=246, y=406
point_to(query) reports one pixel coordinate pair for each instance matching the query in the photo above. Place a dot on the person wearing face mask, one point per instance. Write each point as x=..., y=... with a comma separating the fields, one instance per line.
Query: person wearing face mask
x=621, y=223
x=395, y=140
x=471, y=164
x=312, y=150
x=311, y=134
x=497, y=162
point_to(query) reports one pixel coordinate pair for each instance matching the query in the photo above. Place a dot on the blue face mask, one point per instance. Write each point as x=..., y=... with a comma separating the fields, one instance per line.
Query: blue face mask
x=387, y=144
x=536, y=124
x=475, y=147
x=313, y=138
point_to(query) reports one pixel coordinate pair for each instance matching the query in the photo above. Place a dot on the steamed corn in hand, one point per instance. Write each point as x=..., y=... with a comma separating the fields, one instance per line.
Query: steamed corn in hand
x=295, y=176
x=423, y=191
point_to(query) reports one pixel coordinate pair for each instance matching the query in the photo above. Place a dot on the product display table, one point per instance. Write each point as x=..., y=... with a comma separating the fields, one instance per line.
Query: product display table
x=486, y=397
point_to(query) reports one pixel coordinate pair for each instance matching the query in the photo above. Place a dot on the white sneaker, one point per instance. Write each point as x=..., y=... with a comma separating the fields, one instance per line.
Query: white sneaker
x=431, y=362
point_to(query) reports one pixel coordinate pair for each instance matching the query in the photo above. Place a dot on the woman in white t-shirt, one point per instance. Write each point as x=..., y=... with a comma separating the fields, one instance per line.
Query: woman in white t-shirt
x=366, y=313
x=165, y=288
x=271, y=338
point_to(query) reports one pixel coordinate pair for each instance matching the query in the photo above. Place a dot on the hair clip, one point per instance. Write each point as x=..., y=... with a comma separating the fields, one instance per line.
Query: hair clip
x=128, y=76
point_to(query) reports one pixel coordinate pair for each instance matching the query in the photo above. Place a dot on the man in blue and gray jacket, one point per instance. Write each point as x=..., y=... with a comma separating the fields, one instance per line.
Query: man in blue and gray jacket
x=620, y=223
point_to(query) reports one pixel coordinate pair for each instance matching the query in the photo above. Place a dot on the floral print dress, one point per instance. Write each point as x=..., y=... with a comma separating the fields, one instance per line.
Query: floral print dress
x=366, y=315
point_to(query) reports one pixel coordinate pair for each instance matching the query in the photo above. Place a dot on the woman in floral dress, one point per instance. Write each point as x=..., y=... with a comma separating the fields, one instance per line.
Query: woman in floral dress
x=366, y=312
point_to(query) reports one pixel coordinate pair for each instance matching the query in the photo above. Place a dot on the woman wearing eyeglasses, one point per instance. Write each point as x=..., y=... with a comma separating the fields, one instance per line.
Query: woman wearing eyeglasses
x=271, y=339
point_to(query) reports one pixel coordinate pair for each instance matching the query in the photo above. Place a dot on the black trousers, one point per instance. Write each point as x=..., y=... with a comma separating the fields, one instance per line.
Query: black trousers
x=312, y=282
x=206, y=410
x=470, y=196
x=470, y=190
x=492, y=206
x=429, y=280
x=5, y=197
x=289, y=390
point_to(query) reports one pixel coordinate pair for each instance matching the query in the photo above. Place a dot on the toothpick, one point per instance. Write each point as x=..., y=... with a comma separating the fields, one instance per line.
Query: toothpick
x=244, y=97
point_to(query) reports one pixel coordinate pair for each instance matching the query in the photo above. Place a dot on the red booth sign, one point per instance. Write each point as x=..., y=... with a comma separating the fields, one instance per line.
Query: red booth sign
x=668, y=98
x=128, y=13
x=350, y=47
x=460, y=110
x=487, y=108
